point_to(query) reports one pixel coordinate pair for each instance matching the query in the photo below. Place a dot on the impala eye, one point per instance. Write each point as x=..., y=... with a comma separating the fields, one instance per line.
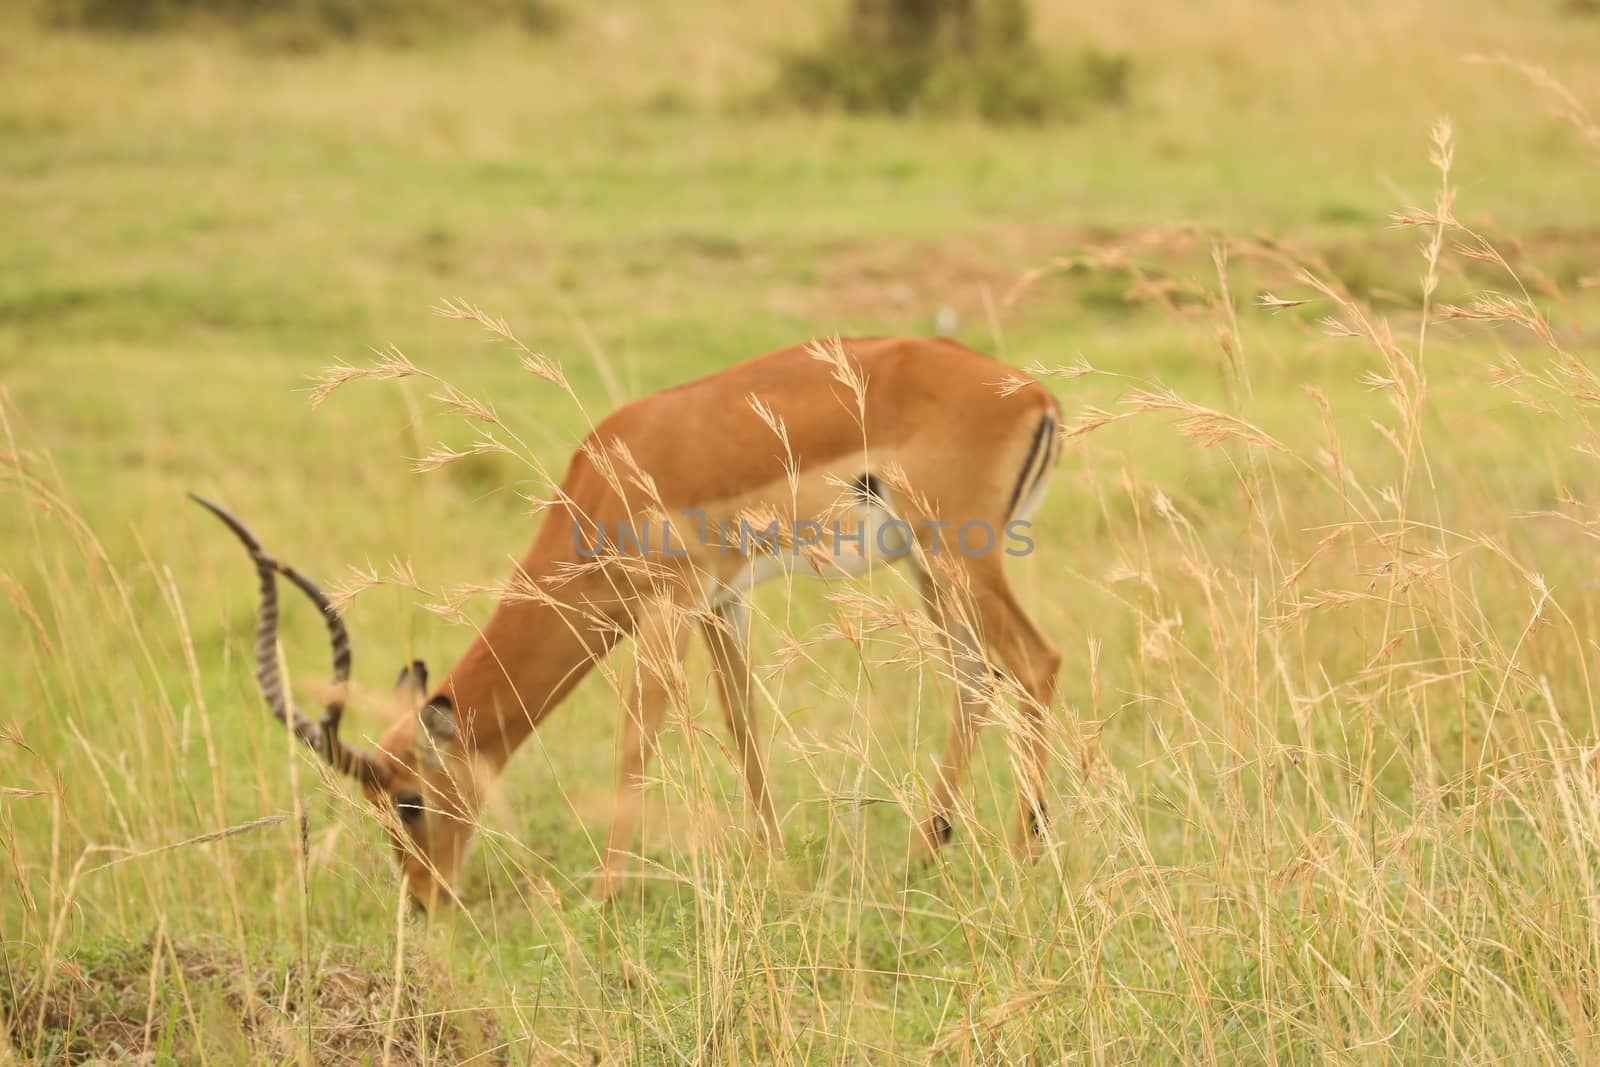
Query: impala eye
x=409, y=805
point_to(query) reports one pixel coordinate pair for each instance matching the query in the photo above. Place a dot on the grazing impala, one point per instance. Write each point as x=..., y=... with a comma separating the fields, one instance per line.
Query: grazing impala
x=922, y=448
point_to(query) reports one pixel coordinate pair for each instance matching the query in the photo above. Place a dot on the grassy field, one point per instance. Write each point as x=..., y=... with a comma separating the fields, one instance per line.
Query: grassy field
x=1328, y=773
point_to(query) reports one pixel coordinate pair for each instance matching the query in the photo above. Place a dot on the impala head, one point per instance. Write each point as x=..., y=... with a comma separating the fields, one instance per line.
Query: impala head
x=418, y=777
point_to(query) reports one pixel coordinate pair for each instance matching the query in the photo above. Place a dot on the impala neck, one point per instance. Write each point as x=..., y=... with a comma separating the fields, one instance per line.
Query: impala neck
x=524, y=662
x=529, y=655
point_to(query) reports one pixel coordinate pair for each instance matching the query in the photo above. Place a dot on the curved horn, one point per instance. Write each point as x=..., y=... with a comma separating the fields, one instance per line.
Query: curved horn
x=322, y=737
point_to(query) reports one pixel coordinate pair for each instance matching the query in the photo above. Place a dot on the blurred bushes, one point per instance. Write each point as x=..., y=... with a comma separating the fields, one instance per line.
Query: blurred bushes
x=976, y=57
x=303, y=24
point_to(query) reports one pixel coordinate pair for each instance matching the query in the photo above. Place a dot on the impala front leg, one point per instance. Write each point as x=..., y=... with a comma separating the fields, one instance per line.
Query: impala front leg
x=658, y=653
x=730, y=657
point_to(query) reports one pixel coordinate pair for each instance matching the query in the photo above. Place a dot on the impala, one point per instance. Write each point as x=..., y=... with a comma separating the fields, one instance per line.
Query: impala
x=910, y=443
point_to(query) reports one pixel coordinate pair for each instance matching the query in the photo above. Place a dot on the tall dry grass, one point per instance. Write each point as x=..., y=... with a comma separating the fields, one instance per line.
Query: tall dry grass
x=1325, y=773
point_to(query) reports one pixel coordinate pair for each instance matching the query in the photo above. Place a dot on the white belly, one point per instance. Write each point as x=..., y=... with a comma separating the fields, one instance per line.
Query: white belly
x=862, y=538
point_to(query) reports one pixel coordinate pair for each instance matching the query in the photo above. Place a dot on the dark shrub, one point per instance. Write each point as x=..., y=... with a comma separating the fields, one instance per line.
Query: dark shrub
x=974, y=57
x=305, y=23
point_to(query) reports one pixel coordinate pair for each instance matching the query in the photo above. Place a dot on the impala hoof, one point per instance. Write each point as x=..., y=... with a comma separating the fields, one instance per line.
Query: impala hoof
x=932, y=836
x=1029, y=839
x=602, y=889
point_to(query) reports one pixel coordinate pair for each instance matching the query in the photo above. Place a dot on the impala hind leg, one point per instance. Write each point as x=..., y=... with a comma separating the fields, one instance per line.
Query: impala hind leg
x=659, y=640
x=1033, y=663
x=727, y=636
x=972, y=682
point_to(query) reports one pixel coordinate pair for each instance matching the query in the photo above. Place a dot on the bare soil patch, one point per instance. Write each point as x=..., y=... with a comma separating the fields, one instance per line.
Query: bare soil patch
x=140, y=1002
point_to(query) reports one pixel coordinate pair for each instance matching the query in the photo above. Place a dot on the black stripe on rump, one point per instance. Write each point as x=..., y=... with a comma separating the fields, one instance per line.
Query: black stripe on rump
x=1023, y=481
x=869, y=489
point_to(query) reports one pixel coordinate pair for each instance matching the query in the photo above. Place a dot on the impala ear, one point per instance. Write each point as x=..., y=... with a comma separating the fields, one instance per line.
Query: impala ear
x=412, y=685
x=438, y=721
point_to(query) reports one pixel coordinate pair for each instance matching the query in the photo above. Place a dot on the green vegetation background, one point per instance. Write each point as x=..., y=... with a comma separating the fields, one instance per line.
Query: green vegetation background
x=192, y=226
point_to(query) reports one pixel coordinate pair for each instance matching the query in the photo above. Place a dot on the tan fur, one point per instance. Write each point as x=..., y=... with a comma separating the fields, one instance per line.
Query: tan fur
x=946, y=430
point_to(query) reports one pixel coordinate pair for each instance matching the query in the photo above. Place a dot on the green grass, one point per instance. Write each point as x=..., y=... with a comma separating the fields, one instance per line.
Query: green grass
x=1343, y=813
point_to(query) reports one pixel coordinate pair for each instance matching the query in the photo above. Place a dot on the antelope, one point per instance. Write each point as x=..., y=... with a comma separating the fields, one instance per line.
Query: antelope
x=878, y=430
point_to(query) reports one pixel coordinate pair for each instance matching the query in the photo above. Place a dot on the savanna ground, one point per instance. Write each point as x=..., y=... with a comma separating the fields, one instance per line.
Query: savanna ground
x=1326, y=590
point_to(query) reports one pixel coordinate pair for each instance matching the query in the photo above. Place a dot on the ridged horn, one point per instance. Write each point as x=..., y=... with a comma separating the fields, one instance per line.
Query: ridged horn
x=322, y=737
